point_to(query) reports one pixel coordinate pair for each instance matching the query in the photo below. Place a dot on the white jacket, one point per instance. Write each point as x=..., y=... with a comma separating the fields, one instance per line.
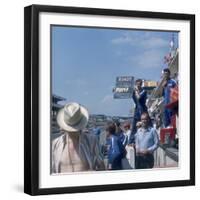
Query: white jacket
x=89, y=150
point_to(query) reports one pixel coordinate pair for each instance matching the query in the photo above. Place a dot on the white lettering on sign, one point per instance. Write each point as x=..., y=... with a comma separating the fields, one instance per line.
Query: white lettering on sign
x=121, y=90
x=124, y=78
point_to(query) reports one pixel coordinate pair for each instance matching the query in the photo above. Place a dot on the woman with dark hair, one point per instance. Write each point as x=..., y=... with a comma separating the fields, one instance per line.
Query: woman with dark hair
x=114, y=148
x=119, y=132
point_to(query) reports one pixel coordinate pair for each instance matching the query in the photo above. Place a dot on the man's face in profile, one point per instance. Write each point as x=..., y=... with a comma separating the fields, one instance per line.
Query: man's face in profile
x=138, y=84
x=166, y=75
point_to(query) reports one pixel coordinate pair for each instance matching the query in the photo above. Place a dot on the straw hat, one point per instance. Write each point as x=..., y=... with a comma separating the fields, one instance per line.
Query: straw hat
x=73, y=117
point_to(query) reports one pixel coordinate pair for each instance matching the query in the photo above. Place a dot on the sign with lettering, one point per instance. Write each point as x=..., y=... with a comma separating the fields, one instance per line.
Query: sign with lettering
x=124, y=87
x=150, y=84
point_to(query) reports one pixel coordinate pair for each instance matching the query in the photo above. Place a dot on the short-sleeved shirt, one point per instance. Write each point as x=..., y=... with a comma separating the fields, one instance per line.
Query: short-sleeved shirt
x=146, y=139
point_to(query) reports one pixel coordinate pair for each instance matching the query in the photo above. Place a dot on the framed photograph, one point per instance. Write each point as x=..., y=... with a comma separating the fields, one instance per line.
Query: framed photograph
x=109, y=99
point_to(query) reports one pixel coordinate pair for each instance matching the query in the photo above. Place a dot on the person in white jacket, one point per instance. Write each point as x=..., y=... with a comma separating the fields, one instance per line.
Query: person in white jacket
x=75, y=150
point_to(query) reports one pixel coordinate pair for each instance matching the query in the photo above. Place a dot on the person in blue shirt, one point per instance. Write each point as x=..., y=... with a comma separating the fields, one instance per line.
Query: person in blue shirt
x=146, y=142
x=167, y=85
x=139, y=97
x=114, y=148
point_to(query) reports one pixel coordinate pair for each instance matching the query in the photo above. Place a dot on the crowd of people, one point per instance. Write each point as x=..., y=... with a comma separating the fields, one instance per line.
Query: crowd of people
x=77, y=150
x=145, y=143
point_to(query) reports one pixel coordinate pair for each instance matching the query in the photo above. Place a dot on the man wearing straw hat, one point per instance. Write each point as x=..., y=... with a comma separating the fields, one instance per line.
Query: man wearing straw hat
x=75, y=150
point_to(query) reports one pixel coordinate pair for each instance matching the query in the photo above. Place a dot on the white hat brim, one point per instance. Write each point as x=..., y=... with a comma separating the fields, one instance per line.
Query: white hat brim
x=81, y=125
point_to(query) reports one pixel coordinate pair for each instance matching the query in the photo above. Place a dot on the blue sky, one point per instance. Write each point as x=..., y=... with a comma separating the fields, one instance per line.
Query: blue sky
x=86, y=62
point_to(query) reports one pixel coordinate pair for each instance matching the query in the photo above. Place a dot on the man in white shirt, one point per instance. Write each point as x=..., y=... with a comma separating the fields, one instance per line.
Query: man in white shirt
x=146, y=142
x=75, y=151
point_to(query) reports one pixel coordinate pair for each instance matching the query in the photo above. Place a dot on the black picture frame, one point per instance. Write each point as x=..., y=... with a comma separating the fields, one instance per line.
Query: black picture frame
x=31, y=98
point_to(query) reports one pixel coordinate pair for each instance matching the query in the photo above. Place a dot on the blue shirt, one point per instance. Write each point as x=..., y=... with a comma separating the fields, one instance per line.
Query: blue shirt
x=146, y=139
x=114, y=148
x=171, y=83
x=121, y=137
